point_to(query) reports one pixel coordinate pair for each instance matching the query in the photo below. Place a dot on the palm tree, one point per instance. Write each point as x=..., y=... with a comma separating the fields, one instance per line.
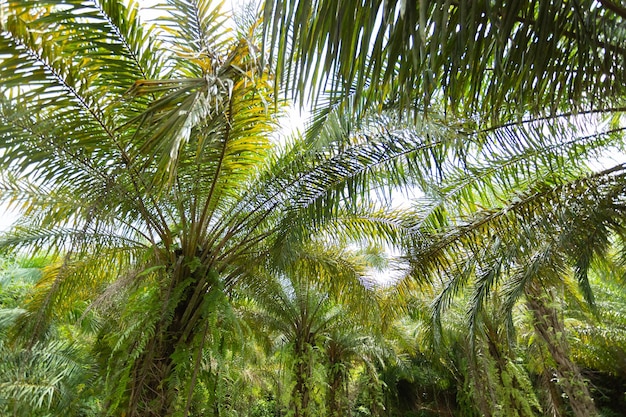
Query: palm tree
x=129, y=172
x=511, y=203
x=142, y=156
x=528, y=247
x=345, y=348
x=300, y=315
x=308, y=306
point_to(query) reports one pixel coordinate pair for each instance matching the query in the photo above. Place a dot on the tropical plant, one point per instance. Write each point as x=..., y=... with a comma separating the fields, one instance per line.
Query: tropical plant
x=52, y=377
x=310, y=307
x=512, y=202
x=346, y=348
x=142, y=156
x=597, y=337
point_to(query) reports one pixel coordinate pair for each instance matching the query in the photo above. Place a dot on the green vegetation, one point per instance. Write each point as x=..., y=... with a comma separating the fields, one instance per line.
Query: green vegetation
x=176, y=256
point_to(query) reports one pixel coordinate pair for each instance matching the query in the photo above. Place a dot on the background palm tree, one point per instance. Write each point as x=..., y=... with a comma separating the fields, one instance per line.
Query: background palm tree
x=346, y=348
x=316, y=296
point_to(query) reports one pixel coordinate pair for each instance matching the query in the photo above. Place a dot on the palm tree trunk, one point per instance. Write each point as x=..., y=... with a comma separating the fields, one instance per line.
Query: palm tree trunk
x=152, y=392
x=335, y=392
x=301, y=395
x=552, y=331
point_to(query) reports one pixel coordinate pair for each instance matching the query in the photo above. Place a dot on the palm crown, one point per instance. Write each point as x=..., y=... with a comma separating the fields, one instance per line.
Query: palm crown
x=143, y=156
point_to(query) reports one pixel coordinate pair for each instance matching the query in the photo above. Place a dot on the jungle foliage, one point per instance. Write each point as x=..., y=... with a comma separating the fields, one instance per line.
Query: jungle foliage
x=178, y=254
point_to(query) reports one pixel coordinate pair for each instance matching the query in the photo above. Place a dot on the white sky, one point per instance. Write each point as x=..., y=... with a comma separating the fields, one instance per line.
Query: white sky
x=7, y=218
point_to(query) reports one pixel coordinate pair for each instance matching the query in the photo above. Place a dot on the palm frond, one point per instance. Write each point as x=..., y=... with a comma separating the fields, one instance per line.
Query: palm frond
x=46, y=378
x=501, y=246
x=195, y=28
x=474, y=55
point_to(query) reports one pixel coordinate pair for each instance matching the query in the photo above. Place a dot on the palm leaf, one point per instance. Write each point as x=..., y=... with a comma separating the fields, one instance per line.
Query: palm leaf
x=475, y=55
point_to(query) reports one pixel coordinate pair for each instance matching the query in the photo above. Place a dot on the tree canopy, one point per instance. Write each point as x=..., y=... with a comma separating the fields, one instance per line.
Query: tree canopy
x=145, y=162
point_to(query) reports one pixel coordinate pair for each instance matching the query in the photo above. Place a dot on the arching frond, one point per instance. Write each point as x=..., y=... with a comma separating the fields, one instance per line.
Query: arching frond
x=515, y=57
x=537, y=237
